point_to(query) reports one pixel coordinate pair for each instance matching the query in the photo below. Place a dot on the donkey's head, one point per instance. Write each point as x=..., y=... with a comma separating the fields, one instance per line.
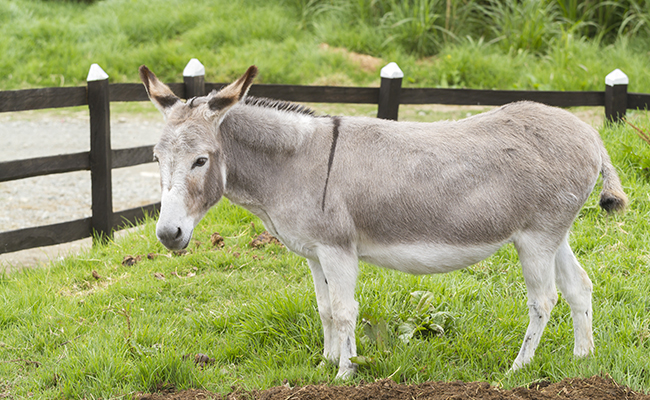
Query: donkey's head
x=192, y=167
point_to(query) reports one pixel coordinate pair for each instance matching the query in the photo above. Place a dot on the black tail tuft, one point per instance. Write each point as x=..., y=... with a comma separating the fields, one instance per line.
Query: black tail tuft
x=612, y=202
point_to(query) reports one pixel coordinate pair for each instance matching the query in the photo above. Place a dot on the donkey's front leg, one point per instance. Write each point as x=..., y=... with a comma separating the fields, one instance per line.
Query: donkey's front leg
x=340, y=268
x=330, y=336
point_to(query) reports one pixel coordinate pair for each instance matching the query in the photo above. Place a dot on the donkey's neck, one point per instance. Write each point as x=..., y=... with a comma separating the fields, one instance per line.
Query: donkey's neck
x=267, y=152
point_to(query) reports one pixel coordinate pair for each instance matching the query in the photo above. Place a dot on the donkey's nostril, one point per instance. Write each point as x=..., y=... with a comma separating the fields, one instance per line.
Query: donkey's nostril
x=173, y=236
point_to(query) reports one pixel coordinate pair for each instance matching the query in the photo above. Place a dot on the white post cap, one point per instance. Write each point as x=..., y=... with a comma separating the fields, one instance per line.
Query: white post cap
x=194, y=68
x=616, y=77
x=96, y=73
x=391, y=71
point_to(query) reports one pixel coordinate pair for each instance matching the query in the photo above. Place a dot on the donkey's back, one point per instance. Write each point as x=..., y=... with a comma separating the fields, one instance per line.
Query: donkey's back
x=524, y=166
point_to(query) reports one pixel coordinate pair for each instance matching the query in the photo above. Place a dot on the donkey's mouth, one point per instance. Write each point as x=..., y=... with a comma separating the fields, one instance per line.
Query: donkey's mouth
x=175, y=246
x=184, y=244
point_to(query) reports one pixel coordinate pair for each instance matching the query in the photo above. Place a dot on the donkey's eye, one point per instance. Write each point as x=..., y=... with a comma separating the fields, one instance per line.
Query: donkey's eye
x=200, y=162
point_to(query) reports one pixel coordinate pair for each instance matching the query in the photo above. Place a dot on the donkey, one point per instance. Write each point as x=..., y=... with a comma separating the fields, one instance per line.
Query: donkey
x=417, y=197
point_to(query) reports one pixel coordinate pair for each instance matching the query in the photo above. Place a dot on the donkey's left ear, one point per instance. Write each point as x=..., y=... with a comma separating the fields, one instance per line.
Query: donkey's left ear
x=233, y=93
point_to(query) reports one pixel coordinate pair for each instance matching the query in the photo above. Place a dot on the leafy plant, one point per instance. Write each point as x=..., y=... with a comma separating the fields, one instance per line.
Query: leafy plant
x=377, y=333
x=426, y=319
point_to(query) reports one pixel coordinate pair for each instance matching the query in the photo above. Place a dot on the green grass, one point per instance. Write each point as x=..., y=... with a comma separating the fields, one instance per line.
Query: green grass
x=65, y=334
x=524, y=44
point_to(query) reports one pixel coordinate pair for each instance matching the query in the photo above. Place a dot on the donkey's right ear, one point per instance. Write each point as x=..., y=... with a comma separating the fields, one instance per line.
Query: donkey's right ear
x=159, y=93
x=233, y=93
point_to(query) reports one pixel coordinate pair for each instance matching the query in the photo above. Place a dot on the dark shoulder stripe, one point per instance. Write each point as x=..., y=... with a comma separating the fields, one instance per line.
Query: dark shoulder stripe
x=336, y=121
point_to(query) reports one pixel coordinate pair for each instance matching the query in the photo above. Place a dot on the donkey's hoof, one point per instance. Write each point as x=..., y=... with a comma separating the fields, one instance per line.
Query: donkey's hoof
x=346, y=373
x=583, y=351
x=517, y=365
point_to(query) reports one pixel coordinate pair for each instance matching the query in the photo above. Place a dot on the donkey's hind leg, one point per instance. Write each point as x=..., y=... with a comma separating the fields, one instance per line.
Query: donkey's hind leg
x=537, y=261
x=576, y=288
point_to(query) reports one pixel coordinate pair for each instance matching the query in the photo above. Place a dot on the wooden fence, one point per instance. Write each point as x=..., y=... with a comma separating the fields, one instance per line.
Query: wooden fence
x=101, y=159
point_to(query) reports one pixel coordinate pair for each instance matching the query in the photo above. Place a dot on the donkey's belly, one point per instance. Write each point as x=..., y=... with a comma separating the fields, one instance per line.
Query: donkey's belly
x=426, y=258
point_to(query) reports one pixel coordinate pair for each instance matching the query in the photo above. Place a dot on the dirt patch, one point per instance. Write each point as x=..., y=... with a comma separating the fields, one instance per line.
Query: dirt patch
x=366, y=62
x=594, y=388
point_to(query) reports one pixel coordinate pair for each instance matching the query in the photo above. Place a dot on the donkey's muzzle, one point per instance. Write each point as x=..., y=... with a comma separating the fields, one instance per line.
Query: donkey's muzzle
x=172, y=237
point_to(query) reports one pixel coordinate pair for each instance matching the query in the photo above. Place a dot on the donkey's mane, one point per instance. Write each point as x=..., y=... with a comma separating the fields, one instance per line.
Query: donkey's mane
x=278, y=105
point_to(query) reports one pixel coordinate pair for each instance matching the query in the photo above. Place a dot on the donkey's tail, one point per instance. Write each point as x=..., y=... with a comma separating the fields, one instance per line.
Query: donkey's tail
x=612, y=198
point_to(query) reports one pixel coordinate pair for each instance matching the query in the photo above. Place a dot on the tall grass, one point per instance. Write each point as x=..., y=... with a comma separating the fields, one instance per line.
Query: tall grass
x=528, y=24
x=424, y=27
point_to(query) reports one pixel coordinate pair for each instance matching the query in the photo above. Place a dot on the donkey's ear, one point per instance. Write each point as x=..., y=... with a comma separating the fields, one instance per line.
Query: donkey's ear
x=159, y=93
x=233, y=93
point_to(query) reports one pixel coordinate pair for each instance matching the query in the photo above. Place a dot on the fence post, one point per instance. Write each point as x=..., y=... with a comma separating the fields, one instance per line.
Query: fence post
x=194, y=79
x=100, y=153
x=616, y=95
x=389, y=91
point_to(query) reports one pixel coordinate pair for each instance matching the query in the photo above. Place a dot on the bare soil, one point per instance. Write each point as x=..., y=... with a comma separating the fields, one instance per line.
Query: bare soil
x=594, y=388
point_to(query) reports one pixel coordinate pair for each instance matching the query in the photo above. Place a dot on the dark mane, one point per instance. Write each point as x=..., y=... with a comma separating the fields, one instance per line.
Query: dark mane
x=278, y=105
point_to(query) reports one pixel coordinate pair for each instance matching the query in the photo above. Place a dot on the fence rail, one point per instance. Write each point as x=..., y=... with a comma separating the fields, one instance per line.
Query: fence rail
x=101, y=159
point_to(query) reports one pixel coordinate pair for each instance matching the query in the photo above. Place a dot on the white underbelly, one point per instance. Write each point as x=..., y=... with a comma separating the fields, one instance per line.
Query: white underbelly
x=426, y=258
x=413, y=258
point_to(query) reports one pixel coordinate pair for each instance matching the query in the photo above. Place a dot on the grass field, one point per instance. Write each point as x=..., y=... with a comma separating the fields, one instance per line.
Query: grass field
x=92, y=327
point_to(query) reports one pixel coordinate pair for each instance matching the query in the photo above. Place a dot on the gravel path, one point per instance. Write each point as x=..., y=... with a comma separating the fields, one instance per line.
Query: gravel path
x=63, y=197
